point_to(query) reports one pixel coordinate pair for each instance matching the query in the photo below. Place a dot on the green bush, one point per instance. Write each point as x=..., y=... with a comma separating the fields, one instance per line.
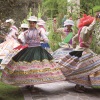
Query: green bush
x=95, y=9
x=95, y=47
x=54, y=40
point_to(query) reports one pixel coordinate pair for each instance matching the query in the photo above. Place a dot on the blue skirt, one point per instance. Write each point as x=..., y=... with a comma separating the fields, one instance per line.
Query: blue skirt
x=45, y=45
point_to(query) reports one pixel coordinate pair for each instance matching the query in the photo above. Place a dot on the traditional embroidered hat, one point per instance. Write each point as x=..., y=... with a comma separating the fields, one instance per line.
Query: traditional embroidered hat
x=10, y=21
x=41, y=22
x=68, y=22
x=85, y=20
x=32, y=18
x=24, y=25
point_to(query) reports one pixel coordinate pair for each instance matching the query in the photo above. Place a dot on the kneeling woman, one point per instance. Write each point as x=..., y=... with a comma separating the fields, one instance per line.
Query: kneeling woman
x=32, y=65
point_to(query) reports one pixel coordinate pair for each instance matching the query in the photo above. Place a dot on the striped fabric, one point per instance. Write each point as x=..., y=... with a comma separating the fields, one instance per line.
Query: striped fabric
x=88, y=72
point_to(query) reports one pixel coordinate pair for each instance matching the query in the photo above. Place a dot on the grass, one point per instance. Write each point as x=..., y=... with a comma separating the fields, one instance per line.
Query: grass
x=9, y=92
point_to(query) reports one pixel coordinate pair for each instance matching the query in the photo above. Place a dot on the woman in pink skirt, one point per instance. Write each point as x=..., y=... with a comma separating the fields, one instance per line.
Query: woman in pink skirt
x=32, y=65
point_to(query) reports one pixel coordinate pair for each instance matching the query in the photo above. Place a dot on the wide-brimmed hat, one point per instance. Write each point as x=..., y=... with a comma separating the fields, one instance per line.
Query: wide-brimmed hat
x=24, y=25
x=68, y=22
x=41, y=22
x=32, y=18
x=10, y=21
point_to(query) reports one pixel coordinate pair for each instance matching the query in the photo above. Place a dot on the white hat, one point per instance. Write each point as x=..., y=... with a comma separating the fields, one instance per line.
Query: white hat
x=10, y=21
x=41, y=22
x=24, y=25
x=32, y=18
x=68, y=22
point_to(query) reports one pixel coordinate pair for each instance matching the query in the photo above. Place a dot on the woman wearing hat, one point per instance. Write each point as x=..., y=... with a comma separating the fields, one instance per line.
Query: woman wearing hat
x=10, y=39
x=32, y=65
x=66, y=31
x=66, y=44
x=24, y=27
x=82, y=66
x=41, y=27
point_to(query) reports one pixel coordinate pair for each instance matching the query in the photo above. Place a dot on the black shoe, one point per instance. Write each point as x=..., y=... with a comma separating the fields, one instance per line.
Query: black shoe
x=79, y=89
x=29, y=87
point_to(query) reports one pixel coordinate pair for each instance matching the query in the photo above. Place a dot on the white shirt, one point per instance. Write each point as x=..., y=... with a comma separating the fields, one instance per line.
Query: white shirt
x=12, y=33
x=43, y=34
x=21, y=37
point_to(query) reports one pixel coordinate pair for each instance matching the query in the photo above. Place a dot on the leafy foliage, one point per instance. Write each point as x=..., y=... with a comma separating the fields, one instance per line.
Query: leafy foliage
x=55, y=7
x=53, y=36
x=58, y=9
x=94, y=9
x=87, y=5
x=29, y=14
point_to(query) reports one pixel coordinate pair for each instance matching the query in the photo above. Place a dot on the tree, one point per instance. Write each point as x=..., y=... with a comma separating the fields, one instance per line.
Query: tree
x=17, y=9
x=54, y=7
x=87, y=5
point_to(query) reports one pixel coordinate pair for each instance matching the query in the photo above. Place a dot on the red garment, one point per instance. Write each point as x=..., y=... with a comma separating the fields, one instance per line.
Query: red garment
x=21, y=47
x=85, y=20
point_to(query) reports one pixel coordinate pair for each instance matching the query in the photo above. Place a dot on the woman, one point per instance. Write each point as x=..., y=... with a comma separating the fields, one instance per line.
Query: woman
x=41, y=27
x=67, y=40
x=82, y=71
x=10, y=39
x=23, y=28
x=67, y=32
x=32, y=65
x=15, y=50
